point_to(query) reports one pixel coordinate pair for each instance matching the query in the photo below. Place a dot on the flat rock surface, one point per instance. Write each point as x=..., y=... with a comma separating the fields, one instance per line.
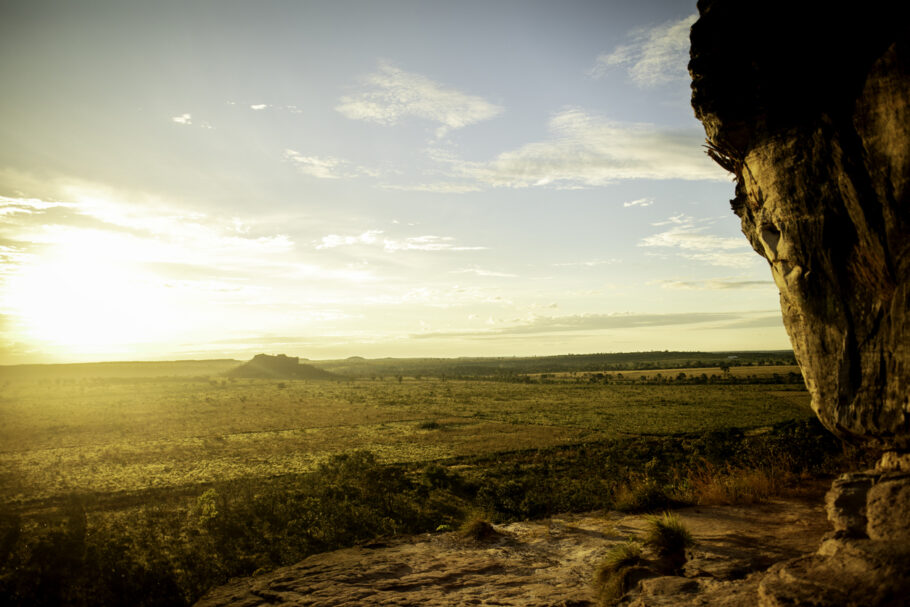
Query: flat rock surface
x=540, y=563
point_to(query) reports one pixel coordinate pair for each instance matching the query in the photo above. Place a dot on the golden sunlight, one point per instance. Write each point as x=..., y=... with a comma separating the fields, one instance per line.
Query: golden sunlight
x=84, y=295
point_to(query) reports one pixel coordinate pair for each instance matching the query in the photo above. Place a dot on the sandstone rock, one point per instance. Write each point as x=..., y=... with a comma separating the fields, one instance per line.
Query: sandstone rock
x=845, y=503
x=537, y=563
x=894, y=462
x=816, y=129
x=808, y=105
x=668, y=585
x=858, y=573
x=888, y=508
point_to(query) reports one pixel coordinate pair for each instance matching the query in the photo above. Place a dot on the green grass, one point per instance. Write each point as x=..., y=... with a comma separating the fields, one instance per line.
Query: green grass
x=171, y=545
x=169, y=485
x=130, y=435
x=614, y=576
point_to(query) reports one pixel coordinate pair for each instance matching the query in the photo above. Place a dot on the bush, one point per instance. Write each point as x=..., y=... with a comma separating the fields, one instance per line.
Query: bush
x=713, y=485
x=477, y=527
x=669, y=539
x=620, y=569
x=647, y=496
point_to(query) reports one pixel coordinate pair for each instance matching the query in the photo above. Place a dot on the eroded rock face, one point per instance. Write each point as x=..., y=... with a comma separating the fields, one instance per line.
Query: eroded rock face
x=809, y=106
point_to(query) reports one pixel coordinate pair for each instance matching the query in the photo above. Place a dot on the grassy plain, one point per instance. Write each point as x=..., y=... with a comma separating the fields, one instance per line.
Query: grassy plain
x=126, y=434
x=160, y=480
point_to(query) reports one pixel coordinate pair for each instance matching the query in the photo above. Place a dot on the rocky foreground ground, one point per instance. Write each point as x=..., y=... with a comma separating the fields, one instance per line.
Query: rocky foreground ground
x=543, y=563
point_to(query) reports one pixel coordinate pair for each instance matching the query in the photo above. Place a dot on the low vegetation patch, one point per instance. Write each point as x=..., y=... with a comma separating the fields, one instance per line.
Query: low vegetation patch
x=619, y=571
x=669, y=539
x=174, y=478
x=477, y=527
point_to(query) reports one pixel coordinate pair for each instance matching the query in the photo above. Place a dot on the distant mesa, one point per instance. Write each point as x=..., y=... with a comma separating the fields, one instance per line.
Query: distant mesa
x=265, y=366
x=355, y=358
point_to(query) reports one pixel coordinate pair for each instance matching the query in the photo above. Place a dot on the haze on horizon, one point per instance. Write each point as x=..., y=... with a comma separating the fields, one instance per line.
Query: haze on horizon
x=328, y=179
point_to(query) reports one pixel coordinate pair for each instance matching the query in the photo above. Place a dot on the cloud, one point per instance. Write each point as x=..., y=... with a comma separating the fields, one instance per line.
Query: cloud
x=481, y=272
x=654, y=57
x=258, y=106
x=327, y=167
x=187, y=120
x=687, y=235
x=442, y=187
x=414, y=243
x=427, y=243
x=589, y=263
x=589, y=150
x=600, y=322
x=90, y=224
x=334, y=240
x=718, y=284
x=640, y=202
x=450, y=297
x=391, y=94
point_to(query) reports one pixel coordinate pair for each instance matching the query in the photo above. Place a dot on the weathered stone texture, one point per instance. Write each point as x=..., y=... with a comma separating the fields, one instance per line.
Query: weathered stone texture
x=845, y=504
x=808, y=105
x=888, y=509
x=815, y=126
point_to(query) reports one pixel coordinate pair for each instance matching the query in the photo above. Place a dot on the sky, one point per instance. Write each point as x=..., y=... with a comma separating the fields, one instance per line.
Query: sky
x=359, y=178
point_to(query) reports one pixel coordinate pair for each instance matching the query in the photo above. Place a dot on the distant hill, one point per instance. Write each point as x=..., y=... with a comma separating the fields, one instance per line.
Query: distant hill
x=118, y=370
x=264, y=366
x=474, y=367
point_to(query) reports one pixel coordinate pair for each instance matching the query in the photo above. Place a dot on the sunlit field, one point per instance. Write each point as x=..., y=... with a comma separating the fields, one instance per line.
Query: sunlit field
x=170, y=478
x=123, y=434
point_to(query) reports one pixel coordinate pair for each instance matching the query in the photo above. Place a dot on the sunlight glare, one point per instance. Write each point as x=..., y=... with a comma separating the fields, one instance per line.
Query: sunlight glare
x=85, y=296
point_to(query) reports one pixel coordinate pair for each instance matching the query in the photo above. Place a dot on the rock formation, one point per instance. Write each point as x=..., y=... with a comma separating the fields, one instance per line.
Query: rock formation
x=808, y=105
x=265, y=366
x=544, y=563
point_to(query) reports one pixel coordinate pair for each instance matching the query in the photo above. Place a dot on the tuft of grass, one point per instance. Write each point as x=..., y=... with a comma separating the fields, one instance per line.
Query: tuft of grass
x=645, y=496
x=621, y=555
x=669, y=539
x=477, y=527
x=711, y=485
x=619, y=571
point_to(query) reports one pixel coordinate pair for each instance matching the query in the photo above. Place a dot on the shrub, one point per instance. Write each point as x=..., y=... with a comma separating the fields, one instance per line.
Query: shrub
x=645, y=496
x=477, y=527
x=621, y=555
x=712, y=485
x=620, y=569
x=669, y=539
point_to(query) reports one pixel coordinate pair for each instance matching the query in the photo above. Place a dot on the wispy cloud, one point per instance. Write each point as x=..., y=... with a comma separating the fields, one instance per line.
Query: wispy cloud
x=481, y=272
x=428, y=243
x=327, y=167
x=640, y=202
x=442, y=187
x=324, y=167
x=391, y=94
x=718, y=284
x=334, y=240
x=689, y=237
x=259, y=106
x=589, y=150
x=588, y=263
x=600, y=322
x=187, y=120
x=186, y=248
x=654, y=56
x=446, y=297
x=414, y=243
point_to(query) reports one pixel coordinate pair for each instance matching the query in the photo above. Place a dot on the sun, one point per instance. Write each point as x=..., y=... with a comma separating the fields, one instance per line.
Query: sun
x=84, y=296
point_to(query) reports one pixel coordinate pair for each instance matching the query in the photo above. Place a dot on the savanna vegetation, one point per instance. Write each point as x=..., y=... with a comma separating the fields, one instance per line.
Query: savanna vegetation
x=147, y=490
